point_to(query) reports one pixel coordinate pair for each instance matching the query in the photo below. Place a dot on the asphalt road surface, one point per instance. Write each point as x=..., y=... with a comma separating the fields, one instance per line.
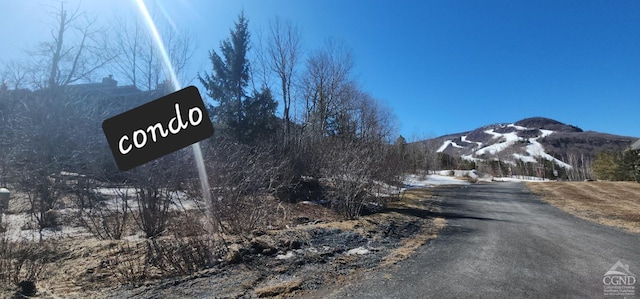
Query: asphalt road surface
x=503, y=242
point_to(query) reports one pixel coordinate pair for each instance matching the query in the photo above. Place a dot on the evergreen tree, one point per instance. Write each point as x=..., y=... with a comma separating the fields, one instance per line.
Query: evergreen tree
x=630, y=161
x=636, y=164
x=615, y=166
x=229, y=78
x=402, y=154
x=259, y=121
x=605, y=166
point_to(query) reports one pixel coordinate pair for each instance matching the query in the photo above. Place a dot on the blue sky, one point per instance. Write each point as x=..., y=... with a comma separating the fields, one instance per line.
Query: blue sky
x=442, y=66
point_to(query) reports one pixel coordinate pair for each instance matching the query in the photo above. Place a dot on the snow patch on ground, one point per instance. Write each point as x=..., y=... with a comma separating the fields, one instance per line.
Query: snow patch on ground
x=23, y=226
x=456, y=173
x=286, y=256
x=180, y=200
x=414, y=181
x=18, y=229
x=359, y=251
x=520, y=178
x=382, y=189
x=116, y=191
x=470, y=158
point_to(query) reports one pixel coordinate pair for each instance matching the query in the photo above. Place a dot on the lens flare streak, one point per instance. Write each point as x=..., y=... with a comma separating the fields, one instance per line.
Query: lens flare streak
x=159, y=43
x=197, y=152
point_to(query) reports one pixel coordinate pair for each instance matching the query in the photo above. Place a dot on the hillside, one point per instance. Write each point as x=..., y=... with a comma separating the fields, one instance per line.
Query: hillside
x=531, y=140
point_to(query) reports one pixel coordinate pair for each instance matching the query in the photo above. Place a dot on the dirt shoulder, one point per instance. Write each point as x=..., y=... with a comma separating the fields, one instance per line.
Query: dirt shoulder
x=610, y=203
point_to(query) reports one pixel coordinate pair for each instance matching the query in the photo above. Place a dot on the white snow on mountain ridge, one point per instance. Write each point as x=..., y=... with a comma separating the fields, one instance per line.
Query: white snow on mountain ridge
x=520, y=128
x=456, y=145
x=509, y=140
x=443, y=146
x=463, y=138
x=494, y=134
x=536, y=149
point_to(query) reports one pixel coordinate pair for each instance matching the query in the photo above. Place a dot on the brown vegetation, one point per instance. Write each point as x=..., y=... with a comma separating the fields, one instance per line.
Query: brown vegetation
x=609, y=203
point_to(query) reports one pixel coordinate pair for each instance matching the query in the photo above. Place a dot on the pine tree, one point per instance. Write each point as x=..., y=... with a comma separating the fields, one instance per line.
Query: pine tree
x=229, y=78
x=605, y=166
x=636, y=164
x=615, y=166
x=628, y=165
x=259, y=120
x=401, y=152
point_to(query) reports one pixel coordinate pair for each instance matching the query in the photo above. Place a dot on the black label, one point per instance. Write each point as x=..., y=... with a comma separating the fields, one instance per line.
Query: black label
x=157, y=128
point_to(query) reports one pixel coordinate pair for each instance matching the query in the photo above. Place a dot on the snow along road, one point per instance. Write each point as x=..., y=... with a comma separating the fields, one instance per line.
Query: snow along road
x=503, y=242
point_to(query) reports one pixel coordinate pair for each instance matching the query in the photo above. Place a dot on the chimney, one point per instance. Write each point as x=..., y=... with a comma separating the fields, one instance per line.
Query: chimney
x=109, y=81
x=165, y=86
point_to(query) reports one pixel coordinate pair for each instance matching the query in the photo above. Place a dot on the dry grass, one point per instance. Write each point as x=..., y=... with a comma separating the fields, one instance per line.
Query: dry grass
x=410, y=197
x=76, y=272
x=415, y=201
x=609, y=203
x=278, y=289
x=410, y=245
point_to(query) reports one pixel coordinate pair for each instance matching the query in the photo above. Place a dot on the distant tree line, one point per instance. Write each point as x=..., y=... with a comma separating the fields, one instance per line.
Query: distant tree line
x=423, y=157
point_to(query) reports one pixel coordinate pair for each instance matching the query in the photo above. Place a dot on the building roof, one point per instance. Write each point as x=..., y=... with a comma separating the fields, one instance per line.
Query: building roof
x=108, y=87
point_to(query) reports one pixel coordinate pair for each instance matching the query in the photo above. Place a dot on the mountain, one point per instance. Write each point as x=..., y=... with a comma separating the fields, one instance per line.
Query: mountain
x=531, y=140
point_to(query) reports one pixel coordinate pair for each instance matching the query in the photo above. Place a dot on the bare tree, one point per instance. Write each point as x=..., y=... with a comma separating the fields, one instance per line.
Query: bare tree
x=14, y=74
x=351, y=171
x=155, y=185
x=245, y=182
x=105, y=218
x=76, y=50
x=284, y=53
x=376, y=120
x=128, y=40
x=180, y=48
x=325, y=81
x=43, y=148
x=139, y=60
x=51, y=133
x=581, y=168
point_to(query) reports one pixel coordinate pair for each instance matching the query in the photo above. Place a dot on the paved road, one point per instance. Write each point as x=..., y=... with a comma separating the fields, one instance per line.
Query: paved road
x=503, y=242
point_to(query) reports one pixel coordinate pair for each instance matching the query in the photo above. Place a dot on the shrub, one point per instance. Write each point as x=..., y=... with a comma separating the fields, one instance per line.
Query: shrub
x=157, y=258
x=23, y=262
